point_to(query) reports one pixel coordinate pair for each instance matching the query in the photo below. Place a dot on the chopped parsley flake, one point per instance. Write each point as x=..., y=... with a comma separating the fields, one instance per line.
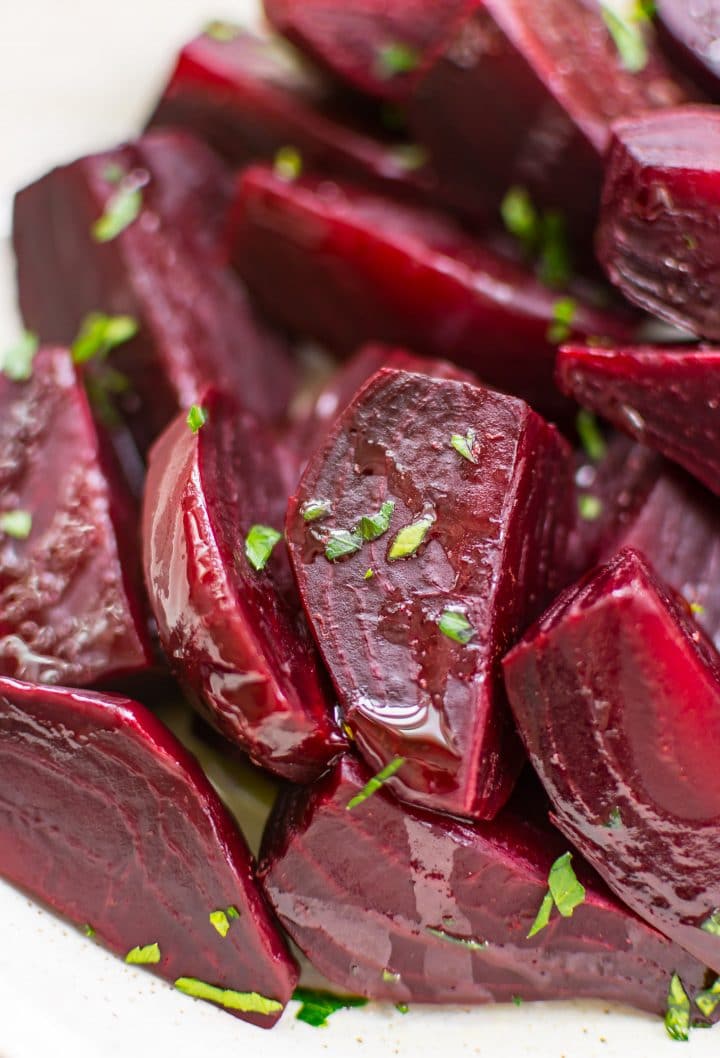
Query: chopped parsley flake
x=318, y=1006
x=373, y=526
x=564, y=892
x=542, y=235
x=614, y=821
x=259, y=545
x=196, y=418
x=464, y=445
x=17, y=362
x=402, y=1008
x=144, y=956
x=232, y=912
x=564, y=312
x=221, y=31
x=626, y=30
x=677, y=1016
x=521, y=218
x=101, y=386
x=247, y=1002
x=590, y=435
x=220, y=922
x=390, y=978
x=88, y=930
x=394, y=59
x=697, y=608
x=121, y=209
x=100, y=334
x=517, y=1000
x=409, y=539
x=17, y=524
x=712, y=924
x=314, y=510
x=465, y=942
x=341, y=543
x=455, y=625
x=707, y=1001
x=376, y=782
x=542, y=919
x=288, y=164
x=409, y=157
x=590, y=507
x=369, y=574
x=555, y=263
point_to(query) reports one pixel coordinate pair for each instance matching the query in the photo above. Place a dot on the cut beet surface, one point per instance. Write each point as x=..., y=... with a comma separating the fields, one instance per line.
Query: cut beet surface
x=396, y=904
x=666, y=398
x=423, y=537
x=689, y=33
x=235, y=634
x=362, y=268
x=105, y=817
x=659, y=232
x=70, y=586
x=164, y=268
x=617, y=695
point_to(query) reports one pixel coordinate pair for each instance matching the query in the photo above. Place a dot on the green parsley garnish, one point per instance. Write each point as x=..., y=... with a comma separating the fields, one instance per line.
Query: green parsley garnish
x=113, y=173
x=88, y=930
x=314, y=510
x=409, y=157
x=712, y=924
x=373, y=526
x=220, y=919
x=100, y=334
x=455, y=625
x=221, y=31
x=259, y=545
x=465, y=942
x=402, y=1008
x=707, y=1001
x=144, y=956
x=614, y=821
x=555, y=265
x=17, y=524
x=590, y=435
x=376, y=782
x=626, y=30
x=196, y=418
x=464, y=445
x=697, y=608
x=390, y=978
x=341, y=543
x=396, y=58
x=247, y=1002
x=369, y=574
x=409, y=539
x=521, y=218
x=101, y=386
x=318, y=1006
x=564, y=312
x=564, y=892
x=17, y=362
x=677, y=1016
x=232, y=912
x=542, y=235
x=517, y=1000
x=121, y=209
x=590, y=508
x=288, y=164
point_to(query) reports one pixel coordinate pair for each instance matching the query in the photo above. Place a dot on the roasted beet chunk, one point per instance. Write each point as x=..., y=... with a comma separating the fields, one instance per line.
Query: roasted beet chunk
x=667, y=398
x=70, y=591
x=658, y=238
x=223, y=594
x=617, y=696
x=396, y=904
x=106, y=818
x=423, y=536
x=689, y=32
x=358, y=267
x=137, y=231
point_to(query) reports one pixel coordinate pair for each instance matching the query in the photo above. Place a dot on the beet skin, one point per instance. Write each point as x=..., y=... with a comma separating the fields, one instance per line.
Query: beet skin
x=617, y=695
x=105, y=817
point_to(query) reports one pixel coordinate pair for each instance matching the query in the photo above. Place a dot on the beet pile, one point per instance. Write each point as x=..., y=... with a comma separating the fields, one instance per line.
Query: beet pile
x=470, y=629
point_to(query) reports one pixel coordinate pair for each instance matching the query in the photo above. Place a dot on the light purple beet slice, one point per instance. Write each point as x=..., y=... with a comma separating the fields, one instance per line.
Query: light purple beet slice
x=361, y=268
x=668, y=399
x=236, y=635
x=488, y=527
x=397, y=904
x=71, y=606
x=109, y=820
x=617, y=695
x=689, y=32
x=658, y=233
x=165, y=269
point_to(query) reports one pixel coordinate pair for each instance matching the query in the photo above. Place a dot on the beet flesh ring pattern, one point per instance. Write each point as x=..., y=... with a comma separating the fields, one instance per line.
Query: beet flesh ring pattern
x=71, y=608
x=107, y=819
x=616, y=693
x=165, y=269
x=659, y=233
x=358, y=267
x=235, y=635
x=488, y=527
x=400, y=905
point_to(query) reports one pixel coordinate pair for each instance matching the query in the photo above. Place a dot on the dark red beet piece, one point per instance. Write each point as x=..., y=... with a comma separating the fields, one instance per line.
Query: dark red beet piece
x=361, y=268
x=617, y=695
x=666, y=398
x=689, y=32
x=488, y=523
x=378, y=47
x=382, y=897
x=164, y=269
x=70, y=589
x=659, y=225
x=525, y=94
x=110, y=821
x=236, y=636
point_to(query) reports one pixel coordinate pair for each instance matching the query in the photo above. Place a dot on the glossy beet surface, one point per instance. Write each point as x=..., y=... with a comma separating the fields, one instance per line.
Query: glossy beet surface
x=659, y=229
x=617, y=695
x=105, y=817
x=70, y=590
x=236, y=636
x=358, y=267
x=489, y=523
x=165, y=269
x=382, y=897
x=666, y=398
x=690, y=31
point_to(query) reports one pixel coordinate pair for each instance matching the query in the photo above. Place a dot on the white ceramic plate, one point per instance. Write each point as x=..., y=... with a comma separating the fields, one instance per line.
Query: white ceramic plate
x=76, y=75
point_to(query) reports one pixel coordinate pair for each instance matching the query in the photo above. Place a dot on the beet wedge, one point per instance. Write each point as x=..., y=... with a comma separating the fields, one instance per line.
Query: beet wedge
x=666, y=398
x=689, y=33
x=658, y=233
x=71, y=606
x=219, y=581
x=110, y=821
x=163, y=268
x=617, y=695
x=361, y=268
x=423, y=537
x=397, y=904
